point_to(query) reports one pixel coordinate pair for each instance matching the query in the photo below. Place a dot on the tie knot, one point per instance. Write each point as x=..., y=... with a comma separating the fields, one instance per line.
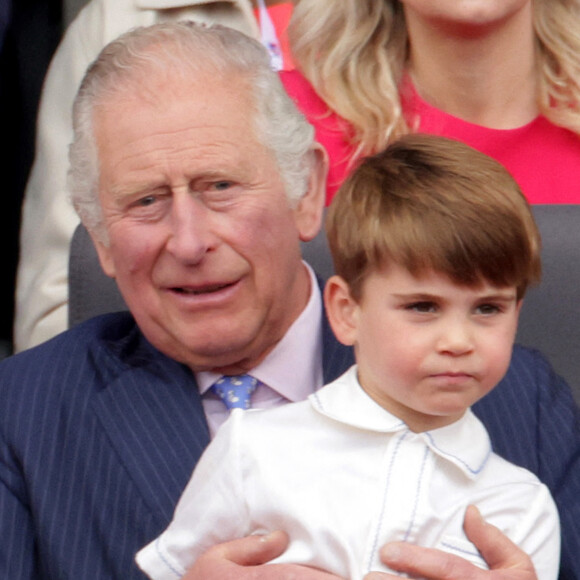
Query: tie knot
x=235, y=391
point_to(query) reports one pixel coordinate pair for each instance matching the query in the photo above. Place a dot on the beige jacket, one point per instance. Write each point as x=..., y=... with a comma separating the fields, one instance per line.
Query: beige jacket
x=48, y=219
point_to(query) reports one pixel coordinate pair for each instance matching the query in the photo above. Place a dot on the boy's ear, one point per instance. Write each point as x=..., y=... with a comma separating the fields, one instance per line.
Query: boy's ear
x=341, y=309
x=309, y=210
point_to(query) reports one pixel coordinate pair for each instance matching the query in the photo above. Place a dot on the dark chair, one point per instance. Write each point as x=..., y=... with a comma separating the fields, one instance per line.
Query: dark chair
x=550, y=318
x=90, y=291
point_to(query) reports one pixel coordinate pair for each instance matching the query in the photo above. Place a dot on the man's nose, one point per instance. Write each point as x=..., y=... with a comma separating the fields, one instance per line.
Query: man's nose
x=191, y=230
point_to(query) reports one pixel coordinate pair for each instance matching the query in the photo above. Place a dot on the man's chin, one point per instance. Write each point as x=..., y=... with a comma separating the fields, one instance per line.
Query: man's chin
x=227, y=357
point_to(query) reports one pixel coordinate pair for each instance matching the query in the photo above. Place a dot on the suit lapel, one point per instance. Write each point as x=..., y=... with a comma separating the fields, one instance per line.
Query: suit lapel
x=154, y=420
x=151, y=411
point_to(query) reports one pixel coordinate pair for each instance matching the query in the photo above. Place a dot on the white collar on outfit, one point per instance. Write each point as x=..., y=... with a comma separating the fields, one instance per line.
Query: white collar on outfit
x=294, y=367
x=464, y=443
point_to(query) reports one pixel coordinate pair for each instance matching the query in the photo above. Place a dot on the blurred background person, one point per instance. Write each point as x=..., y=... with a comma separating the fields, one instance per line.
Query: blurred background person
x=29, y=33
x=501, y=75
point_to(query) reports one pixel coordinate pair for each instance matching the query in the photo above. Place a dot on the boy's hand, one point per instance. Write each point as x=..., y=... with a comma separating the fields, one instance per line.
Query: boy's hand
x=505, y=560
x=241, y=560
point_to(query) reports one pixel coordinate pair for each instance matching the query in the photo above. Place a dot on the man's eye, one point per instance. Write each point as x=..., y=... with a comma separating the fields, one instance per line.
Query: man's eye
x=222, y=185
x=221, y=194
x=422, y=307
x=146, y=201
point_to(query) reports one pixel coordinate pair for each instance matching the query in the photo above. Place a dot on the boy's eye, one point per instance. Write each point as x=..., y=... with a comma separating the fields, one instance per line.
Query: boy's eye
x=422, y=307
x=487, y=309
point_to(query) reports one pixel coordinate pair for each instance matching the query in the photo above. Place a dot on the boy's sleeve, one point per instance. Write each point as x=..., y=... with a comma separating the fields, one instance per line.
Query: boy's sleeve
x=538, y=533
x=534, y=422
x=211, y=510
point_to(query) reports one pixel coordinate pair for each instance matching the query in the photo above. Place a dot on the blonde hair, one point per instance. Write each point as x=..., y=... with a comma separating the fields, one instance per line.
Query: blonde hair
x=557, y=27
x=432, y=203
x=353, y=52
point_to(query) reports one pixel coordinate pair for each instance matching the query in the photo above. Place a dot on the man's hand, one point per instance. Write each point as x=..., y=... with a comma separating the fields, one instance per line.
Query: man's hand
x=505, y=560
x=241, y=560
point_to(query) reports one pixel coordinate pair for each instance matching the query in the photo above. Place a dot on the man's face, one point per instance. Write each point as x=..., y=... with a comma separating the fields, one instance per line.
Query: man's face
x=202, y=240
x=426, y=348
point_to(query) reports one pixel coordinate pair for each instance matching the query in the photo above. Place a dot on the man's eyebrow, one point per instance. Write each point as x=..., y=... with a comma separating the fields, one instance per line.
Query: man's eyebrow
x=133, y=189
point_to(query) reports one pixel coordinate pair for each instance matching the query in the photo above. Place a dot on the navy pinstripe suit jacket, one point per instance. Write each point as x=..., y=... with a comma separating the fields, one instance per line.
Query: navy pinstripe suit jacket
x=99, y=433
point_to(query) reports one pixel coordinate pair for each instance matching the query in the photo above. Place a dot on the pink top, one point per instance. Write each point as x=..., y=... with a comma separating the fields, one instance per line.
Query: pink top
x=543, y=158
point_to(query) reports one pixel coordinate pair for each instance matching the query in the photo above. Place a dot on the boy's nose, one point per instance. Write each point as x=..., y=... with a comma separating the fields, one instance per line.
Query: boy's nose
x=456, y=338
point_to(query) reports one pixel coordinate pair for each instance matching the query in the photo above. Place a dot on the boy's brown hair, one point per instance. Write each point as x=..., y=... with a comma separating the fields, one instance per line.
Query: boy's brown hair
x=431, y=203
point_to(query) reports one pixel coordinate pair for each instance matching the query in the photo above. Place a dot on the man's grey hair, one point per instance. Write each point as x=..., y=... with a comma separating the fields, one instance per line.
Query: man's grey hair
x=185, y=48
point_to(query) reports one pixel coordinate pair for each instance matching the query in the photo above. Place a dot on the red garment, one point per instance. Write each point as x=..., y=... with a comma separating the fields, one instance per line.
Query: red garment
x=543, y=158
x=331, y=130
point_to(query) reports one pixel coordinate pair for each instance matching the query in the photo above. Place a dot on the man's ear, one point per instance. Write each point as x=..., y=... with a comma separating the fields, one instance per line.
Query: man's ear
x=341, y=309
x=308, y=212
x=105, y=255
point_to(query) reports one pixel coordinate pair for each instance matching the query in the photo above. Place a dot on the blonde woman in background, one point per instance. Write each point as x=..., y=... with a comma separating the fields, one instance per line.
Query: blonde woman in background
x=500, y=75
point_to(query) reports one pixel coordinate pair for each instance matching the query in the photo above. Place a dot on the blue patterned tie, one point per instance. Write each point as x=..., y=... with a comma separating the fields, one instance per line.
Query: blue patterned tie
x=235, y=391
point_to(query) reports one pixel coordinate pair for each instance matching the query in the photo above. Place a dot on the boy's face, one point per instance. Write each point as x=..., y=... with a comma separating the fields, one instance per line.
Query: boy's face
x=426, y=348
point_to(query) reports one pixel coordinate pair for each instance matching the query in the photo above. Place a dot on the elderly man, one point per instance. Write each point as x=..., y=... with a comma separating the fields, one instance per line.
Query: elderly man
x=197, y=179
x=48, y=219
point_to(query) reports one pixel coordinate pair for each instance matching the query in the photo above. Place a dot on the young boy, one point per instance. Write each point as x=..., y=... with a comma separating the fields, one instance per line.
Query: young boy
x=434, y=247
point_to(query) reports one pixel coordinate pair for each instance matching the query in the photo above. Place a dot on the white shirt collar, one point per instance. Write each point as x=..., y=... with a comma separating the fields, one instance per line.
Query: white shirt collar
x=465, y=443
x=294, y=367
